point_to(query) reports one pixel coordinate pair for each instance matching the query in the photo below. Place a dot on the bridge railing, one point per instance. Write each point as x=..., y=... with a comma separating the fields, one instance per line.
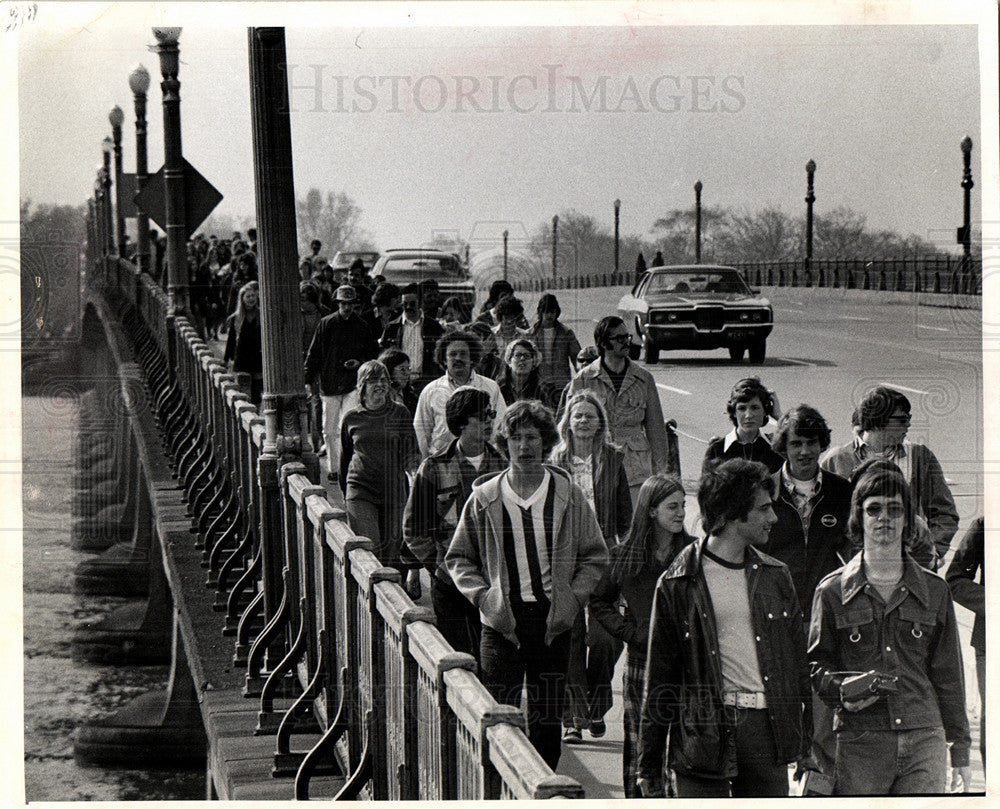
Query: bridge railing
x=332, y=644
x=942, y=274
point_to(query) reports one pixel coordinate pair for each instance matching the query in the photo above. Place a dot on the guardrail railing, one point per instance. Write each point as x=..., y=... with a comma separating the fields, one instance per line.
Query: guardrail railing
x=332, y=644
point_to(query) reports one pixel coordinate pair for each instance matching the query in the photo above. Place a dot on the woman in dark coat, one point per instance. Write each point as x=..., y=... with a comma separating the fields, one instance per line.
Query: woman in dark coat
x=557, y=343
x=596, y=467
x=749, y=407
x=243, y=346
x=377, y=448
x=657, y=535
x=521, y=379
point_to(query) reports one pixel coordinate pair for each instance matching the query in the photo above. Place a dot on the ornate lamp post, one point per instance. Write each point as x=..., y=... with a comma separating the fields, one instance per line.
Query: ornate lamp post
x=99, y=238
x=107, y=147
x=697, y=222
x=506, y=235
x=138, y=82
x=173, y=168
x=116, y=118
x=965, y=233
x=618, y=206
x=810, y=199
x=555, y=244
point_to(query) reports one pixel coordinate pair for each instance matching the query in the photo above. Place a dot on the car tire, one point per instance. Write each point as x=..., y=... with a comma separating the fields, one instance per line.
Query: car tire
x=650, y=353
x=757, y=351
x=736, y=352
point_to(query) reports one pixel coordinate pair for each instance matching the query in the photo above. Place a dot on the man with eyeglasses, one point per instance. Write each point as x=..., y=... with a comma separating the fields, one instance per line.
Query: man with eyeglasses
x=630, y=399
x=884, y=616
x=441, y=486
x=883, y=421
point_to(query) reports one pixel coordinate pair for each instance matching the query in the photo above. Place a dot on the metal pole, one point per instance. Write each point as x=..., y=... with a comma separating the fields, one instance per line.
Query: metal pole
x=284, y=401
x=555, y=244
x=173, y=170
x=116, y=118
x=139, y=82
x=109, y=232
x=697, y=222
x=967, y=184
x=505, y=235
x=810, y=199
x=618, y=205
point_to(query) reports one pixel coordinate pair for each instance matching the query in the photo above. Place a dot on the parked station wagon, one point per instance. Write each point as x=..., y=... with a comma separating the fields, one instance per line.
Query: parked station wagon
x=698, y=307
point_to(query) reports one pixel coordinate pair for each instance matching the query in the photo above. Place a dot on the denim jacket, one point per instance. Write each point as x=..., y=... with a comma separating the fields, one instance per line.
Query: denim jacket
x=683, y=690
x=913, y=636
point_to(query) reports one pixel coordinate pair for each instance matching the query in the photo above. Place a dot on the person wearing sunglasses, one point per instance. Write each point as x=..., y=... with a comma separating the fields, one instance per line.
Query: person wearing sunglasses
x=883, y=613
x=440, y=488
x=631, y=400
x=883, y=418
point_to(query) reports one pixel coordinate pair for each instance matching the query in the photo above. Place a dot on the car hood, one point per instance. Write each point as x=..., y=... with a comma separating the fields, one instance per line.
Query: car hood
x=692, y=298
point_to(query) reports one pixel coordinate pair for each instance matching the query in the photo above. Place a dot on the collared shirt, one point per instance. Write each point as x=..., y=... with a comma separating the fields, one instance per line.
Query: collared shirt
x=413, y=343
x=899, y=455
x=429, y=420
x=801, y=492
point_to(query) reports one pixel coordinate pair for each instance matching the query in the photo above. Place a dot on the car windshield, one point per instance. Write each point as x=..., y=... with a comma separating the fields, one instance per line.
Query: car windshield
x=414, y=269
x=726, y=282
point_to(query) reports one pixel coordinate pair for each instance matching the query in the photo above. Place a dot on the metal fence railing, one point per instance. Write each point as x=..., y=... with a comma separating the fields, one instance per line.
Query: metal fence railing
x=942, y=274
x=331, y=643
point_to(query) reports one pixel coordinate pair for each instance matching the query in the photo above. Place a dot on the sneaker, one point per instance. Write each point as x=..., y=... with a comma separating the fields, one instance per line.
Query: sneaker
x=572, y=735
x=598, y=728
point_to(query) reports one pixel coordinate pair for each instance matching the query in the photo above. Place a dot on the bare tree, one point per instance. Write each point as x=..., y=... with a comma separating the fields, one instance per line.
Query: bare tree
x=334, y=219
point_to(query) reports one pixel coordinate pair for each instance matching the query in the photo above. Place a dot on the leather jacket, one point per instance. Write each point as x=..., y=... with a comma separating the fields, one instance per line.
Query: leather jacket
x=684, y=686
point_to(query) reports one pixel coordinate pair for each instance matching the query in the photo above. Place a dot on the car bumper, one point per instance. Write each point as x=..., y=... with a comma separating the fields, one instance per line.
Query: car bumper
x=687, y=336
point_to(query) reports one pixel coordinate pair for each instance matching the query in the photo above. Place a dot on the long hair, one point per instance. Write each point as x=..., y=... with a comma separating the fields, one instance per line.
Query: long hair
x=636, y=552
x=368, y=372
x=241, y=310
x=565, y=446
x=879, y=478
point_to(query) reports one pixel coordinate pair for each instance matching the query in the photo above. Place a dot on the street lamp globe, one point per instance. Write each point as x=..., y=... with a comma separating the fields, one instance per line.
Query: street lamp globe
x=107, y=145
x=138, y=80
x=167, y=36
x=116, y=117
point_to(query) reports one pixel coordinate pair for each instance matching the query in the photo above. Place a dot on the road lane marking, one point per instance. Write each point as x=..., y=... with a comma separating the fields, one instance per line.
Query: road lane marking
x=798, y=362
x=852, y=317
x=932, y=328
x=908, y=390
x=673, y=390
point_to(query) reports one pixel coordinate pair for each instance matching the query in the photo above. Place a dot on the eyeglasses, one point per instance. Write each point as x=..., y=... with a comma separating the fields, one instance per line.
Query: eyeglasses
x=893, y=510
x=620, y=339
x=522, y=355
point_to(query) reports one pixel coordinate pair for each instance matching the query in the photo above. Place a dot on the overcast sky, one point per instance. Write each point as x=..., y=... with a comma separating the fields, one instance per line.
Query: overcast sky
x=470, y=130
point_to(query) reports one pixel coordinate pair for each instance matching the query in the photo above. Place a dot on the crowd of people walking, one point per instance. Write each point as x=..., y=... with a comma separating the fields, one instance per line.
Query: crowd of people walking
x=809, y=623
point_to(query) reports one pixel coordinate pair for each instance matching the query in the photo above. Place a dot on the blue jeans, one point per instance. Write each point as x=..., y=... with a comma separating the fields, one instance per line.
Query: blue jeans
x=891, y=762
x=758, y=771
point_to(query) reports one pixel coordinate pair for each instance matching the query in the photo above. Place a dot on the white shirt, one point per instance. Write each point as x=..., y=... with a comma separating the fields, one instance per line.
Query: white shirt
x=413, y=343
x=429, y=421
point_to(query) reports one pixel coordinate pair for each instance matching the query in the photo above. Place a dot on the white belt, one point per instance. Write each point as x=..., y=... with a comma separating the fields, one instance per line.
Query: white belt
x=745, y=699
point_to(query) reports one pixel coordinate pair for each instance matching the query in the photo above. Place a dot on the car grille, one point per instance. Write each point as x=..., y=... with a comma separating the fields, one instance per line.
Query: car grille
x=709, y=318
